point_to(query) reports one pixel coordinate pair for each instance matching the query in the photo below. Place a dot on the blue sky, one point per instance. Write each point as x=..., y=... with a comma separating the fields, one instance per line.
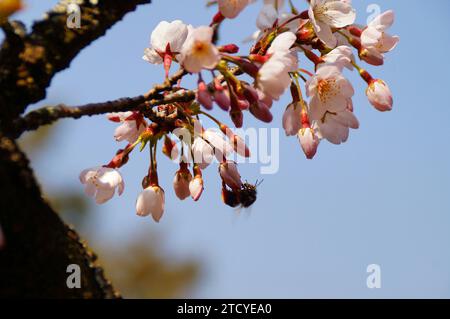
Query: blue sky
x=381, y=198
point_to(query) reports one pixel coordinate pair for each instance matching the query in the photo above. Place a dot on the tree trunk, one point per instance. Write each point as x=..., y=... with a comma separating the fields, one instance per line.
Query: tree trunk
x=38, y=247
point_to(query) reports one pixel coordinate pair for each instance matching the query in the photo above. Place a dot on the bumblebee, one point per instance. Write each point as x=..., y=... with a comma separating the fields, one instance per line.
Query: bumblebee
x=244, y=197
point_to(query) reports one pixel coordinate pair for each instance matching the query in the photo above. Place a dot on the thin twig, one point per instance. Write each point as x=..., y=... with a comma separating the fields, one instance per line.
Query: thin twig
x=49, y=115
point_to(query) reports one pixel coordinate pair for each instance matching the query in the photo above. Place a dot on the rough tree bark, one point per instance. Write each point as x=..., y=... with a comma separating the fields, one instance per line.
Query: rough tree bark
x=38, y=245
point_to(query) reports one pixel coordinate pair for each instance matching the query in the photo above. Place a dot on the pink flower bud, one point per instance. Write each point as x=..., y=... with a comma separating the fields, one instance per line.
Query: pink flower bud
x=229, y=48
x=371, y=56
x=264, y=98
x=181, y=183
x=203, y=96
x=237, y=117
x=222, y=99
x=380, y=95
x=262, y=112
x=292, y=119
x=230, y=175
x=243, y=104
x=196, y=187
x=308, y=141
x=251, y=94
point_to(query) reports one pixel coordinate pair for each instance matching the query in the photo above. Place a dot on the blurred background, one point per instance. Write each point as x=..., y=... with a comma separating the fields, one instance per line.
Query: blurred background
x=381, y=198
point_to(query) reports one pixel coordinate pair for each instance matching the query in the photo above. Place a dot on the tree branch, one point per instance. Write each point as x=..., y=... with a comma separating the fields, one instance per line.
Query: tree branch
x=26, y=69
x=51, y=114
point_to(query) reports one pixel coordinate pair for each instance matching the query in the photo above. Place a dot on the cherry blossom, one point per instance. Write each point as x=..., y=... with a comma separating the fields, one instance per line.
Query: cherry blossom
x=328, y=14
x=342, y=57
x=101, y=183
x=305, y=48
x=269, y=15
x=203, y=152
x=133, y=125
x=335, y=127
x=221, y=145
x=376, y=41
x=329, y=90
x=199, y=52
x=166, y=43
x=266, y=18
x=283, y=43
x=273, y=77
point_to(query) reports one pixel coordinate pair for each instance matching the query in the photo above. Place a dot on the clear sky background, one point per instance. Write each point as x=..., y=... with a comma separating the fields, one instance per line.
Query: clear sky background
x=382, y=198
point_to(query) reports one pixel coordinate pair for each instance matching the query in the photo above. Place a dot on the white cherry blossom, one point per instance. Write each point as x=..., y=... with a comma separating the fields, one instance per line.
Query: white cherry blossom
x=101, y=183
x=329, y=90
x=217, y=140
x=198, y=51
x=133, y=125
x=282, y=43
x=203, y=153
x=335, y=127
x=273, y=78
x=376, y=41
x=269, y=15
x=167, y=37
x=342, y=57
x=328, y=14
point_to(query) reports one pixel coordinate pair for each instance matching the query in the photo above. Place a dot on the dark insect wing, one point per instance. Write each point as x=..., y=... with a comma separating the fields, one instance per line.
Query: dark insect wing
x=230, y=198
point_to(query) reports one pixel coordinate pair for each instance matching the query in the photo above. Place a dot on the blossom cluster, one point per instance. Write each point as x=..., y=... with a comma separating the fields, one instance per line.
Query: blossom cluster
x=325, y=37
